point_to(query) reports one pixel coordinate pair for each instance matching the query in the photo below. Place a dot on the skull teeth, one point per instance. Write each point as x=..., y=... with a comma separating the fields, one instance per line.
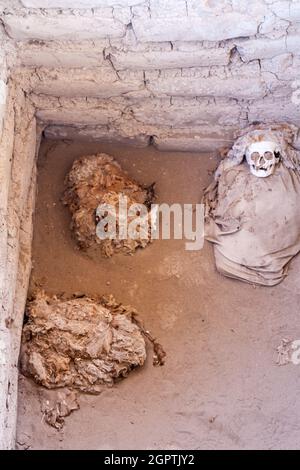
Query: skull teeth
x=255, y=168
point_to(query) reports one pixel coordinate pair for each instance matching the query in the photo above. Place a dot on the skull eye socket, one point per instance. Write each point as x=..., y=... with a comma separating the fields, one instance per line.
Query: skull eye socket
x=268, y=155
x=254, y=156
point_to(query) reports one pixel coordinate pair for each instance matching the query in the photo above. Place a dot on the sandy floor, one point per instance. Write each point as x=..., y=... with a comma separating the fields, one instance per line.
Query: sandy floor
x=220, y=387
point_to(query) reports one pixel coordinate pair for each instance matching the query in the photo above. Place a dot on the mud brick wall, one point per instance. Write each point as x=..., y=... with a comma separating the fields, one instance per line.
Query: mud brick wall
x=18, y=143
x=182, y=74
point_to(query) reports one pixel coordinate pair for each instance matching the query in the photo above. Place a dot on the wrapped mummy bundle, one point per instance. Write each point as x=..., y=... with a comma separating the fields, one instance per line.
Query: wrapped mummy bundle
x=252, y=207
x=97, y=180
x=80, y=343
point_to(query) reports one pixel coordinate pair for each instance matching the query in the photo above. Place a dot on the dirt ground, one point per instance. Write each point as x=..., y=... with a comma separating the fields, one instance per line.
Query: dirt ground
x=220, y=387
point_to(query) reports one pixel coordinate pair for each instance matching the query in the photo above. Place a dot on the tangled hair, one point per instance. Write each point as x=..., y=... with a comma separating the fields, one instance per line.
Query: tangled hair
x=82, y=343
x=283, y=134
x=99, y=179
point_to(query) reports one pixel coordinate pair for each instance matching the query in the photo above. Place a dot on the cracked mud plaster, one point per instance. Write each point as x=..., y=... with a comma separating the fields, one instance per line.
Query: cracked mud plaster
x=118, y=61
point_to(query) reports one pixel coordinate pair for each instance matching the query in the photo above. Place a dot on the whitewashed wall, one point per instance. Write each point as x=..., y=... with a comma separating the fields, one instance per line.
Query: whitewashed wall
x=17, y=192
x=182, y=74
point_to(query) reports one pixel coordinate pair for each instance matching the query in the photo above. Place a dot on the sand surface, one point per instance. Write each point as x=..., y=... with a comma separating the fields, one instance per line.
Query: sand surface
x=220, y=387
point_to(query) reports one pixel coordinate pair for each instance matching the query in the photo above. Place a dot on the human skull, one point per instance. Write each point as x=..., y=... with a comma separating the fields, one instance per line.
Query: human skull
x=262, y=158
